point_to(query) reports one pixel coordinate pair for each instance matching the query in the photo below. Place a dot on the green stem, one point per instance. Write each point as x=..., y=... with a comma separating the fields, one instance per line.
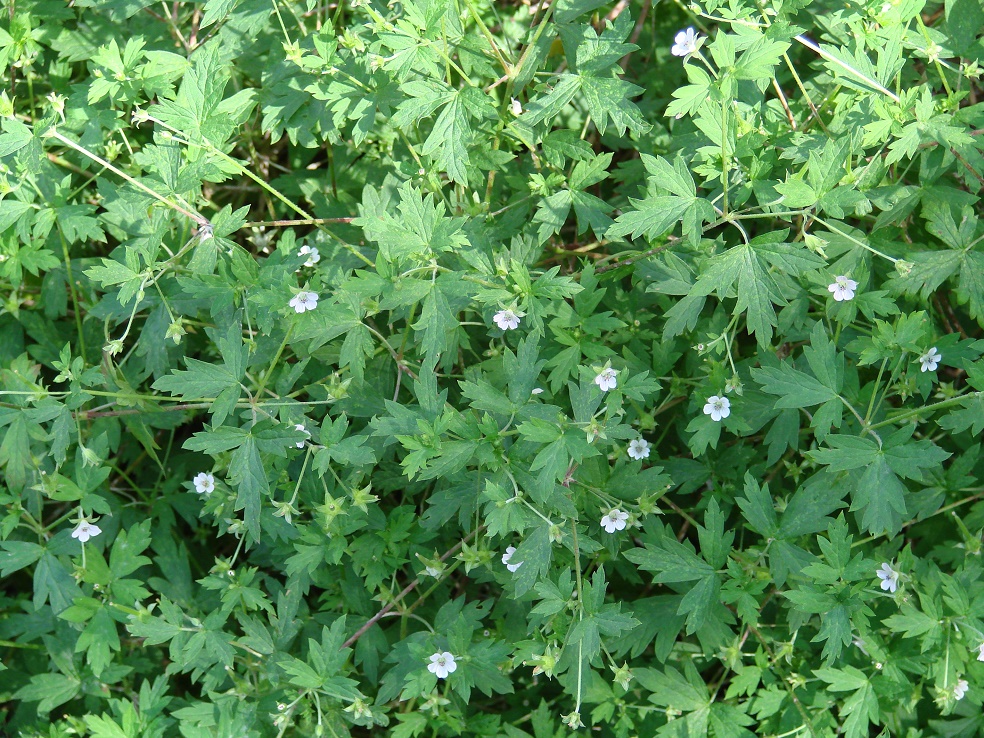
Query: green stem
x=925, y=408
x=200, y=219
x=506, y=66
x=73, y=292
x=207, y=145
x=853, y=240
x=273, y=364
x=874, y=391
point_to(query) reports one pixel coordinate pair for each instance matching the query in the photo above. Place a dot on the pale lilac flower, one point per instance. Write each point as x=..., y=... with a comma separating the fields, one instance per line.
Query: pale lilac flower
x=843, y=288
x=204, y=483
x=442, y=664
x=313, y=257
x=515, y=107
x=606, y=380
x=639, y=449
x=685, y=42
x=961, y=689
x=86, y=530
x=614, y=520
x=304, y=300
x=980, y=652
x=507, y=320
x=302, y=429
x=889, y=578
x=507, y=557
x=717, y=407
x=929, y=361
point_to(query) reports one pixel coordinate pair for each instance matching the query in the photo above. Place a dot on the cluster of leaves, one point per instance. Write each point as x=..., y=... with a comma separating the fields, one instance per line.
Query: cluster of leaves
x=313, y=310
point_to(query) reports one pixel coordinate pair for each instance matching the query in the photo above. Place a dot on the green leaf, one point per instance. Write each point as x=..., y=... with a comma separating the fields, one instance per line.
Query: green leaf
x=104, y=727
x=15, y=136
x=421, y=230
x=741, y=268
x=759, y=60
x=758, y=508
x=656, y=215
x=219, y=383
x=794, y=388
x=248, y=475
x=671, y=689
x=535, y=552
x=964, y=19
x=18, y=554
x=672, y=561
x=913, y=623
x=49, y=691
x=437, y=324
x=54, y=583
x=448, y=140
x=216, y=10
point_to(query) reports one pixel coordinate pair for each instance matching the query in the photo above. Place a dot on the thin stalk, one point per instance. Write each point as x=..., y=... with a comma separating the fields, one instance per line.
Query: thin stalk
x=200, y=219
x=73, y=292
x=847, y=68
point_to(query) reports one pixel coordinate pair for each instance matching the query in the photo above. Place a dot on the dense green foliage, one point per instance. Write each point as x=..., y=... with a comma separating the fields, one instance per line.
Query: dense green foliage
x=446, y=368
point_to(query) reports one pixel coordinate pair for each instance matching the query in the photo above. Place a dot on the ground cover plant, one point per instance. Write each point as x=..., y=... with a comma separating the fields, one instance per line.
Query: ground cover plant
x=448, y=367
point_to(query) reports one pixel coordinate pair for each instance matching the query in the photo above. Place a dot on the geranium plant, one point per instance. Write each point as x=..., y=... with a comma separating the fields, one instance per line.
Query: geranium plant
x=449, y=367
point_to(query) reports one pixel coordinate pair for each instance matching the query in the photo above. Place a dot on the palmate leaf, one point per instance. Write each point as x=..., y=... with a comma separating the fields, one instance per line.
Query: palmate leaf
x=606, y=98
x=590, y=210
x=357, y=95
x=670, y=562
x=878, y=493
x=656, y=215
x=860, y=708
x=219, y=381
x=421, y=229
x=200, y=110
x=741, y=269
x=448, y=140
x=49, y=690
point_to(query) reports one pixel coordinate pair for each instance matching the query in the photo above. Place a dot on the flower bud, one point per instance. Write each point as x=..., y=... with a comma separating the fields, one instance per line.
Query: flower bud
x=89, y=457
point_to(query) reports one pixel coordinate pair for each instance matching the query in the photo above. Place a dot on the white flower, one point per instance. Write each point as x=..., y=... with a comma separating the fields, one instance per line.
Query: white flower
x=515, y=107
x=313, y=257
x=717, y=407
x=86, y=530
x=889, y=578
x=843, y=288
x=606, y=380
x=204, y=483
x=304, y=300
x=507, y=556
x=302, y=429
x=639, y=449
x=980, y=652
x=961, y=689
x=685, y=42
x=507, y=320
x=537, y=391
x=614, y=520
x=441, y=664
x=929, y=360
